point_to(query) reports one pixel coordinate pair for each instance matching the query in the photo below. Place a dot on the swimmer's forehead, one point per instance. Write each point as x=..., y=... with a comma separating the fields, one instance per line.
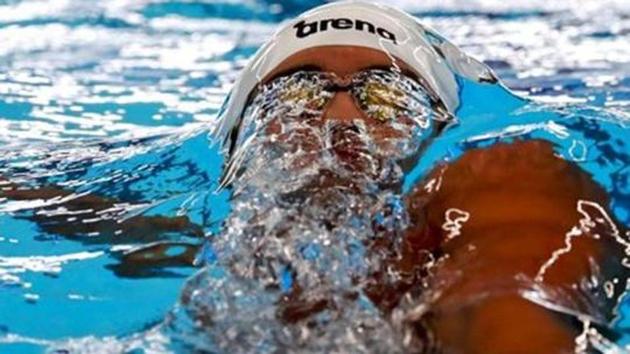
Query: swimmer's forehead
x=340, y=60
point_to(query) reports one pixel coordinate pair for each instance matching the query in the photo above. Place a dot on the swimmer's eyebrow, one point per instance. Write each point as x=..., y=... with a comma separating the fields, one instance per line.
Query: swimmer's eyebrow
x=306, y=67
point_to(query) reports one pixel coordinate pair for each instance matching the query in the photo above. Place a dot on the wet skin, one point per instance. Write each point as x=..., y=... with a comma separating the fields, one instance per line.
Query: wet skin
x=522, y=202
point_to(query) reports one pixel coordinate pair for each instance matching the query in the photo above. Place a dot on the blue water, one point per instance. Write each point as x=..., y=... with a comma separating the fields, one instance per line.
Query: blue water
x=117, y=98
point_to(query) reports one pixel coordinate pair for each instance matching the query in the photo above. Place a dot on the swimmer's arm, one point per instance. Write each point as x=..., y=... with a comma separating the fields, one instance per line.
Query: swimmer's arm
x=521, y=201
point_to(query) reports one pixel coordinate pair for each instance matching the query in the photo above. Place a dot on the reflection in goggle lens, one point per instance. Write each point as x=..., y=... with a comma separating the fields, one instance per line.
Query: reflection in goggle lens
x=383, y=95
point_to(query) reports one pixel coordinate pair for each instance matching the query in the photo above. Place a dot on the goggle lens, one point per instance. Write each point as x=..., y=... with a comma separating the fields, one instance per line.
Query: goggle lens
x=304, y=91
x=379, y=99
x=382, y=95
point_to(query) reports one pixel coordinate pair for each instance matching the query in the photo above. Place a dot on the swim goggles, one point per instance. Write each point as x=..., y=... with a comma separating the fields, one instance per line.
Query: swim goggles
x=383, y=95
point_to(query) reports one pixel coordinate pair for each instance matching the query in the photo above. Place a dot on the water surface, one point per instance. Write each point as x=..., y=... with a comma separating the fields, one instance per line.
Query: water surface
x=116, y=98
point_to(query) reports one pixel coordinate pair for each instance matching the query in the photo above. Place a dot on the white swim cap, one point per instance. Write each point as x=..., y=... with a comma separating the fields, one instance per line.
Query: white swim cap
x=353, y=23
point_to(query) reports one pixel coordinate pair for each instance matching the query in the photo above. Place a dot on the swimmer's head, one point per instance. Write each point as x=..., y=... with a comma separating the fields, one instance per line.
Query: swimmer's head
x=350, y=63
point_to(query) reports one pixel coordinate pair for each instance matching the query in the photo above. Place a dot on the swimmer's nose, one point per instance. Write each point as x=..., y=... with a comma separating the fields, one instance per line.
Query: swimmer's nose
x=342, y=107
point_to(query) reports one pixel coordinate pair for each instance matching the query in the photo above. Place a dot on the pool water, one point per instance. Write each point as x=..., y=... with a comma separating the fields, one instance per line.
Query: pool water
x=117, y=99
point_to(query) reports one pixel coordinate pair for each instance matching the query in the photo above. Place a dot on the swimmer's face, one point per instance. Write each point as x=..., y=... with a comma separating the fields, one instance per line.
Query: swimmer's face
x=353, y=102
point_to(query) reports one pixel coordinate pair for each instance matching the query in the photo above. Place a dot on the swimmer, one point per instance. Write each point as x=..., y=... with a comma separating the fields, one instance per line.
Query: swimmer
x=319, y=130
